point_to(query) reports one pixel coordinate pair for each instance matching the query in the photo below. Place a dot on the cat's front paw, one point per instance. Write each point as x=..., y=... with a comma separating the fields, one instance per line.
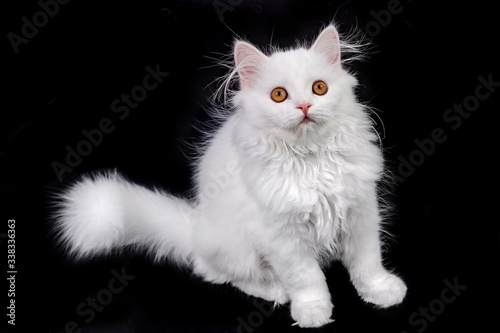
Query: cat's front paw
x=312, y=314
x=384, y=290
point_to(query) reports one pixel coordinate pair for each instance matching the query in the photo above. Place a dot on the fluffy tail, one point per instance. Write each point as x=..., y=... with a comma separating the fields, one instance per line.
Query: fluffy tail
x=105, y=212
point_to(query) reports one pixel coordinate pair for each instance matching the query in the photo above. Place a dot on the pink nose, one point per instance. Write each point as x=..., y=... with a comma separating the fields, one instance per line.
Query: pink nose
x=304, y=107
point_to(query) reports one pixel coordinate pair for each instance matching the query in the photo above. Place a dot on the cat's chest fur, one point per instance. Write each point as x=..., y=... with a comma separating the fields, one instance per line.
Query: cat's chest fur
x=312, y=190
x=317, y=185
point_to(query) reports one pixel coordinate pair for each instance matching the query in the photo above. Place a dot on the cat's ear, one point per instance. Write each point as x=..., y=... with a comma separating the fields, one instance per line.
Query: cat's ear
x=248, y=61
x=328, y=43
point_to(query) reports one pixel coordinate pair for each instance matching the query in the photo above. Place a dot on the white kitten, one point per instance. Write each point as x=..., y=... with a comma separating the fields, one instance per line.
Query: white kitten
x=284, y=186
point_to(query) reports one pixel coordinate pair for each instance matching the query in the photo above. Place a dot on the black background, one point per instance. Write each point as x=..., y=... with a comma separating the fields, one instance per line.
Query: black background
x=64, y=79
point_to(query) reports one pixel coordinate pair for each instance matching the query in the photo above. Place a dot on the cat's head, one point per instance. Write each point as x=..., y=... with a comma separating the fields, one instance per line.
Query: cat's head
x=294, y=93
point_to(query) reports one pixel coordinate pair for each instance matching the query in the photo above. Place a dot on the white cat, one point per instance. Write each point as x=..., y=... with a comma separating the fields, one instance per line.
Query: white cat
x=285, y=185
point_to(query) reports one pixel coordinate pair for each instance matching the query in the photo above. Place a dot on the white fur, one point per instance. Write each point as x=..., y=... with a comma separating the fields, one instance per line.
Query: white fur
x=105, y=212
x=276, y=199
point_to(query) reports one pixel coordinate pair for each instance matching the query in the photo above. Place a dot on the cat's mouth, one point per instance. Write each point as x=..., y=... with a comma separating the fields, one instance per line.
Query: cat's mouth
x=306, y=120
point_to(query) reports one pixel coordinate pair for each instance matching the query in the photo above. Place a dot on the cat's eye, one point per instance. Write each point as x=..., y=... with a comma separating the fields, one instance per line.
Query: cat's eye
x=278, y=95
x=320, y=87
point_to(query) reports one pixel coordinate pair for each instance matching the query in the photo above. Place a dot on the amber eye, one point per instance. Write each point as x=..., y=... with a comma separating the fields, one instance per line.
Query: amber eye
x=278, y=95
x=320, y=87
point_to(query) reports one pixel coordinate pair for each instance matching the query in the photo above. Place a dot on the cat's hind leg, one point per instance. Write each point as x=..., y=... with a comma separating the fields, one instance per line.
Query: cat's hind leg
x=244, y=269
x=271, y=291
